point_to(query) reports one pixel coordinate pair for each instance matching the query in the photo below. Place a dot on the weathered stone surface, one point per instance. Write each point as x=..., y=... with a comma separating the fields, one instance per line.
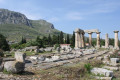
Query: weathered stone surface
x=14, y=66
x=116, y=43
x=98, y=39
x=31, y=48
x=58, y=49
x=33, y=57
x=106, y=41
x=100, y=58
x=48, y=50
x=92, y=30
x=104, y=78
x=52, y=59
x=19, y=56
x=36, y=50
x=114, y=60
x=41, y=58
x=102, y=71
x=111, y=68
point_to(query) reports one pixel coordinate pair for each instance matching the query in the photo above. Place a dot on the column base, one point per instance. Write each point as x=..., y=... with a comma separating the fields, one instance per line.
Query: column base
x=97, y=46
x=117, y=48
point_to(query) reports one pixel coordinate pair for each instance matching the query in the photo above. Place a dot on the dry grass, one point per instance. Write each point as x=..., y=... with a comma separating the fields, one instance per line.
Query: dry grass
x=75, y=71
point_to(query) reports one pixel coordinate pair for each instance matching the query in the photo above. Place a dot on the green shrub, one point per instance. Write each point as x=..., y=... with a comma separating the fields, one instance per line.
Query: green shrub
x=88, y=67
x=6, y=72
x=57, y=45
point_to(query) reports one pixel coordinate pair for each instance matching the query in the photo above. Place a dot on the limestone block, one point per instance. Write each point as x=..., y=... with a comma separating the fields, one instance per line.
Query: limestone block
x=102, y=71
x=20, y=56
x=14, y=66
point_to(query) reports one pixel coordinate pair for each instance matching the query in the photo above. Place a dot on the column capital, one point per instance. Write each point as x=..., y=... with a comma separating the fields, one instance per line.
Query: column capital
x=116, y=31
x=90, y=32
x=98, y=32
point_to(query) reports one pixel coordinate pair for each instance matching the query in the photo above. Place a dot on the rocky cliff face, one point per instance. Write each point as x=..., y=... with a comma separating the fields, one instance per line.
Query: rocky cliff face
x=11, y=17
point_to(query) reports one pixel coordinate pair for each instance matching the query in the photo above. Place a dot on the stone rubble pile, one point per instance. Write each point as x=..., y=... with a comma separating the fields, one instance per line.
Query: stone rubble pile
x=15, y=65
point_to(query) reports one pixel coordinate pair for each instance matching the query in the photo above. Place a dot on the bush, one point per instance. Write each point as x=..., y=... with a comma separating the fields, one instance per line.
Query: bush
x=88, y=67
x=57, y=45
x=18, y=46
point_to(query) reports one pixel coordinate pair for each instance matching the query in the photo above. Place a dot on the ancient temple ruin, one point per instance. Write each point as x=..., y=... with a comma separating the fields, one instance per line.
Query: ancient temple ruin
x=80, y=42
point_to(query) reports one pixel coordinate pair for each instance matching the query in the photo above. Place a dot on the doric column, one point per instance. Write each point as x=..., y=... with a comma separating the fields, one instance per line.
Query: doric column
x=80, y=41
x=90, y=38
x=116, y=40
x=106, y=41
x=76, y=40
x=98, y=39
x=82, y=38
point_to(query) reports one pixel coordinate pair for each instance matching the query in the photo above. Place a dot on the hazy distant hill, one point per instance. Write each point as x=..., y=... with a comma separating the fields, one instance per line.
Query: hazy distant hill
x=14, y=25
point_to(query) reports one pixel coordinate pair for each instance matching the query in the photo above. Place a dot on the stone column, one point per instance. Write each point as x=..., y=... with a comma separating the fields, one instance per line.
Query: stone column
x=82, y=38
x=106, y=41
x=76, y=40
x=116, y=40
x=80, y=41
x=90, y=38
x=98, y=39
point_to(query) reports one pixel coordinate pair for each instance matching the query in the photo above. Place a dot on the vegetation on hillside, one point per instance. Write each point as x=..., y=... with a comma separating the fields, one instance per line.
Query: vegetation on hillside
x=3, y=43
x=44, y=41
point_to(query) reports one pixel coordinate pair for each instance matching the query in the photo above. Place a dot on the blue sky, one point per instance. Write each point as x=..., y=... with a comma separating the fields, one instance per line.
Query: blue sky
x=67, y=15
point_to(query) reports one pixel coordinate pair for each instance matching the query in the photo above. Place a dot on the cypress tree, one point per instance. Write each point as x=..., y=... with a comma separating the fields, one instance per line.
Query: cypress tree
x=73, y=39
x=3, y=43
x=54, y=39
x=58, y=39
x=23, y=40
x=61, y=38
x=68, y=39
x=39, y=42
x=49, y=40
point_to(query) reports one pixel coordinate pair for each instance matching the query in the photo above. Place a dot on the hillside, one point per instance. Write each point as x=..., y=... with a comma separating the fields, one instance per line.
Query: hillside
x=14, y=25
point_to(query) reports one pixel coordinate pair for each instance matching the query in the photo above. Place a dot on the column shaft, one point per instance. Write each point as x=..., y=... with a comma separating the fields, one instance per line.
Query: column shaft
x=116, y=43
x=90, y=39
x=98, y=40
x=106, y=41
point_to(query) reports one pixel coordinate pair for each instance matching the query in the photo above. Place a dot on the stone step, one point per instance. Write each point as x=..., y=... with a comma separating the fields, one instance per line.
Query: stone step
x=111, y=68
x=103, y=78
x=102, y=71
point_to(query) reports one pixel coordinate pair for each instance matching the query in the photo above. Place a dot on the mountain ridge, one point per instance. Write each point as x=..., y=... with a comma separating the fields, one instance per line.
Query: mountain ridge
x=14, y=25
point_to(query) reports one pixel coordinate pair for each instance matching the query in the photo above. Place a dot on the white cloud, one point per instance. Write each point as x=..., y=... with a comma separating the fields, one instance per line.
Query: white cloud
x=32, y=16
x=53, y=19
x=74, y=16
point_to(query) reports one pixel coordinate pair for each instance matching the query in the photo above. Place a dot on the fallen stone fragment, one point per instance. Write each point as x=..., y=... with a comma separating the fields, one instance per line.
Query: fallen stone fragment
x=101, y=71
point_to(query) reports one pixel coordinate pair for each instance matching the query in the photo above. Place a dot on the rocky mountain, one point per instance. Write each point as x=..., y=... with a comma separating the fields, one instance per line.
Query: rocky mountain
x=11, y=17
x=14, y=25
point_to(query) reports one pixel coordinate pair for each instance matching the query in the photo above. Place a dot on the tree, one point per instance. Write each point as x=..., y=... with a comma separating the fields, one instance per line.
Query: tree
x=73, y=40
x=61, y=38
x=45, y=40
x=58, y=39
x=94, y=43
x=3, y=43
x=23, y=40
x=87, y=40
x=39, y=42
x=49, y=40
x=68, y=39
x=111, y=41
x=102, y=42
x=54, y=39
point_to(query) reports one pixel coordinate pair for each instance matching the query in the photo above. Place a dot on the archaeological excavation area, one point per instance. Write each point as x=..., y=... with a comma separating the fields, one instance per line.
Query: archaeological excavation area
x=83, y=62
